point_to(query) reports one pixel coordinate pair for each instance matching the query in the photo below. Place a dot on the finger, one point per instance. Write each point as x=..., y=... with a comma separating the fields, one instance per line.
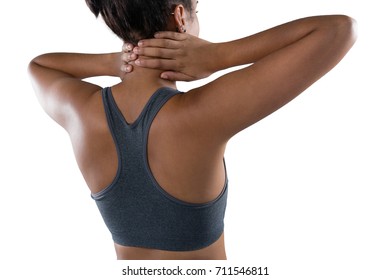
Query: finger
x=176, y=76
x=156, y=52
x=128, y=57
x=153, y=63
x=127, y=68
x=160, y=43
x=127, y=47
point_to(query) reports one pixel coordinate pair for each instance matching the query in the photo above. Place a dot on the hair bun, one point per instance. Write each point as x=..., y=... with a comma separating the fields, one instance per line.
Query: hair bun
x=95, y=6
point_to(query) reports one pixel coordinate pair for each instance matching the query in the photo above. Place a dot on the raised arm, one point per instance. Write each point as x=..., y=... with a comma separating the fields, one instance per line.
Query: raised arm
x=57, y=81
x=285, y=61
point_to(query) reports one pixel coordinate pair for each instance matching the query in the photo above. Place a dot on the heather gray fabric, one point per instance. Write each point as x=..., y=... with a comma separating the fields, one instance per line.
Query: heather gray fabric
x=136, y=210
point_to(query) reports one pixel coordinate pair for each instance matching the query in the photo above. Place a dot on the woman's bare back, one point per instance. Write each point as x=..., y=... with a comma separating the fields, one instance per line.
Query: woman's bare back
x=185, y=169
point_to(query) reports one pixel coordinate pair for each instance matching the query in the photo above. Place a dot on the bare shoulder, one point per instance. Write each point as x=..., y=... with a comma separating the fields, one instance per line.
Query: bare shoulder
x=93, y=145
x=182, y=159
x=283, y=62
x=88, y=120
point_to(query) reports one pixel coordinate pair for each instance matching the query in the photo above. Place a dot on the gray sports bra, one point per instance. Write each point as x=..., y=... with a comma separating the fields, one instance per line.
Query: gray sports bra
x=136, y=210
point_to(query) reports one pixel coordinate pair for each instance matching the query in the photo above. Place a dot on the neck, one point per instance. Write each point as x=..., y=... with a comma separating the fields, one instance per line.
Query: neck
x=146, y=78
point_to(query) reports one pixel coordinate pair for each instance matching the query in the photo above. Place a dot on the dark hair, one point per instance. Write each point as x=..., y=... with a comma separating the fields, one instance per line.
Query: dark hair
x=133, y=20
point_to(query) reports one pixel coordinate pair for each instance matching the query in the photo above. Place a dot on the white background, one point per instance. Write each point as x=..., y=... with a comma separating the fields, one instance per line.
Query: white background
x=309, y=185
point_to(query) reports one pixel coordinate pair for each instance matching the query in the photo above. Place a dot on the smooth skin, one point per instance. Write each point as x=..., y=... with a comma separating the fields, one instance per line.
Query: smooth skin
x=188, y=137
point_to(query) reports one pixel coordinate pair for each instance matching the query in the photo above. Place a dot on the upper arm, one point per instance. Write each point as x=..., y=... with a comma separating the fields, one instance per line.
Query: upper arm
x=241, y=98
x=62, y=96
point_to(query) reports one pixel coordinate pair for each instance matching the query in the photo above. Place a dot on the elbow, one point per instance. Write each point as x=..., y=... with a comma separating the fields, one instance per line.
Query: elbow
x=31, y=67
x=37, y=77
x=32, y=71
x=33, y=64
x=346, y=29
x=351, y=28
x=339, y=33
